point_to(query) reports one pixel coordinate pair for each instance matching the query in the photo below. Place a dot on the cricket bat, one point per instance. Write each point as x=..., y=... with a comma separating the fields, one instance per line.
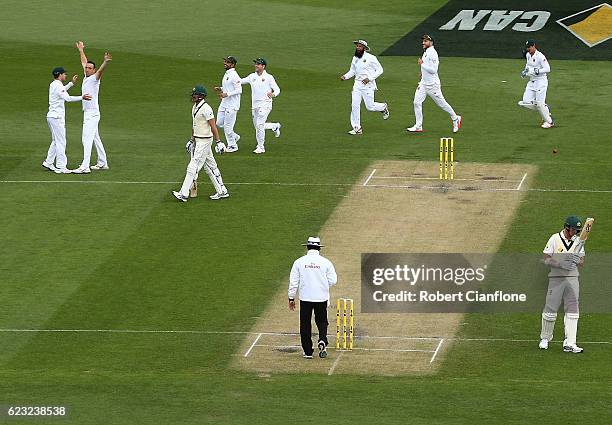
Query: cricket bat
x=584, y=235
x=193, y=191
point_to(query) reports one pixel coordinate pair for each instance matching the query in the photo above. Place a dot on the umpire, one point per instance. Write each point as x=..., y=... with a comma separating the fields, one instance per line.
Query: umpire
x=312, y=274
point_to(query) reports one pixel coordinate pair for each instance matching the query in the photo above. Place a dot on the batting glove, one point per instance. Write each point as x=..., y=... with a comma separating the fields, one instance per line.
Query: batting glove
x=220, y=147
x=190, y=146
x=524, y=73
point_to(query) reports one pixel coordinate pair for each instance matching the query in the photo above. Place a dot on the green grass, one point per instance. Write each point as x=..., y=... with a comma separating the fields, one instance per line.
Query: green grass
x=109, y=256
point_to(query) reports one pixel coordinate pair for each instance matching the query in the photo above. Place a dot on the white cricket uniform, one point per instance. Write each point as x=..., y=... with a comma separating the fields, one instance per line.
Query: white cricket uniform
x=261, y=104
x=91, y=119
x=228, y=109
x=361, y=68
x=313, y=275
x=563, y=286
x=430, y=86
x=202, y=155
x=534, y=96
x=56, y=119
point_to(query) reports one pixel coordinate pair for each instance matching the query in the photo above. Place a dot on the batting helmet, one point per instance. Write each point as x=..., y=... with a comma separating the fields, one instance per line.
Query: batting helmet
x=573, y=222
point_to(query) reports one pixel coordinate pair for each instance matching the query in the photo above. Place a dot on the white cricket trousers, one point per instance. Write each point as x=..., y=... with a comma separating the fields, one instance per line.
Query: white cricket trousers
x=90, y=137
x=367, y=94
x=435, y=92
x=535, y=98
x=260, y=115
x=57, y=149
x=202, y=157
x=226, y=119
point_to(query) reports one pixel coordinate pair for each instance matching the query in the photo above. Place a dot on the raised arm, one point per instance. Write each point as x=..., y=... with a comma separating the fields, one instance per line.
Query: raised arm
x=81, y=46
x=107, y=58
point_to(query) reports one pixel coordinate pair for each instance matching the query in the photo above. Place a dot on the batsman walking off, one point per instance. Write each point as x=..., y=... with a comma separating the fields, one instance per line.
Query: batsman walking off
x=563, y=284
x=199, y=146
x=312, y=275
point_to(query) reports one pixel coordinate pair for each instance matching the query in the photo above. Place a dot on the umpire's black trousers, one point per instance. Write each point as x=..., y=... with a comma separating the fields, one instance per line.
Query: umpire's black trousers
x=320, y=311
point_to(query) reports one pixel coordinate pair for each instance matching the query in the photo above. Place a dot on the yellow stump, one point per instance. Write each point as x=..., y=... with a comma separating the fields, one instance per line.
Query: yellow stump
x=352, y=326
x=344, y=325
x=441, y=158
x=452, y=159
x=338, y=323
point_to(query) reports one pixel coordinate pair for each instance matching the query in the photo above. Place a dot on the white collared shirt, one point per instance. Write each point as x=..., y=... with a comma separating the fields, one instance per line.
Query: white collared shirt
x=537, y=61
x=91, y=86
x=58, y=94
x=557, y=247
x=230, y=84
x=364, y=67
x=261, y=85
x=312, y=274
x=201, y=113
x=429, y=67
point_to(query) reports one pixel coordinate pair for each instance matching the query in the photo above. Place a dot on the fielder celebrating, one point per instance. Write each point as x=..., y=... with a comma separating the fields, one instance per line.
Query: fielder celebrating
x=199, y=146
x=56, y=160
x=366, y=68
x=229, y=93
x=430, y=86
x=563, y=284
x=312, y=274
x=536, y=69
x=91, y=112
x=263, y=90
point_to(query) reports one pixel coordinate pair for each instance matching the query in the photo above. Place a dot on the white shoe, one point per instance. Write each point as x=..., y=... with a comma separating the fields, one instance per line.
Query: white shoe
x=180, y=197
x=277, y=130
x=62, y=171
x=48, y=166
x=81, y=170
x=572, y=349
x=415, y=129
x=386, y=113
x=547, y=124
x=217, y=196
x=231, y=149
x=98, y=167
x=259, y=150
x=307, y=356
x=544, y=344
x=457, y=124
x=355, y=131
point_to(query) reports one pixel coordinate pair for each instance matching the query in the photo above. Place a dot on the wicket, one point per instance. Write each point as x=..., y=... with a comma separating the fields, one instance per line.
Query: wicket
x=342, y=326
x=447, y=158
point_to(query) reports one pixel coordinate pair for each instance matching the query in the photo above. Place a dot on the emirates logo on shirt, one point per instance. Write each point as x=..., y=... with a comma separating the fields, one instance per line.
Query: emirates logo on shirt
x=312, y=266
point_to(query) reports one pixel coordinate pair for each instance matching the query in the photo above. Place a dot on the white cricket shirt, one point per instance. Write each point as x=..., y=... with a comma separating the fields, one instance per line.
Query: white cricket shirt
x=429, y=67
x=58, y=94
x=261, y=85
x=232, y=87
x=538, y=60
x=91, y=86
x=364, y=67
x=312, y=274
x=201, y=113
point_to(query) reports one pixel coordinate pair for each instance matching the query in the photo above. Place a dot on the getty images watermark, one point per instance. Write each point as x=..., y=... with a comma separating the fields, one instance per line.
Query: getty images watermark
x=437, y=283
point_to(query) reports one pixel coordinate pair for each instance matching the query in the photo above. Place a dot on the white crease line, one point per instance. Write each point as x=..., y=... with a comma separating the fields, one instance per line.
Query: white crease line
x=395, y=350
x=436, y=352
x=521, y=183
x=501, y=180
x=252, y=345
x=333, y=366
x=203, y=332
x=365, y=183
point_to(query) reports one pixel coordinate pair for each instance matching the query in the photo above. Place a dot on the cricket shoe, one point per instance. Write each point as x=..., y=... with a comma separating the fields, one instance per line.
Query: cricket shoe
x=81, y=170
x=415, y=129
x=62, y=171
x=48, y=166
x=457, y=124
x=386, y=113
x=259, y=150
x=99, y=167
x=218, y=196
x=231, y=149
x=355, y=131
x=547, y=124
x=543, y=344
x=307, y=356
x=277, y=131
x=322, y=349
x=180, y=197
x=574, y=349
